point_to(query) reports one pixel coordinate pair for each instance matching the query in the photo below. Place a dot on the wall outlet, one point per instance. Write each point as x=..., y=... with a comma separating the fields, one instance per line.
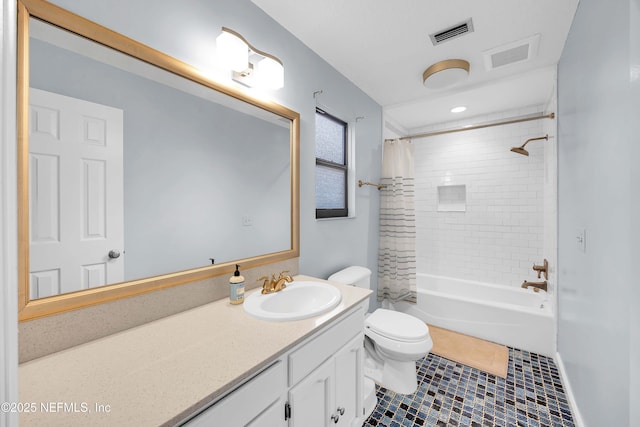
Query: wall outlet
x=247, y=220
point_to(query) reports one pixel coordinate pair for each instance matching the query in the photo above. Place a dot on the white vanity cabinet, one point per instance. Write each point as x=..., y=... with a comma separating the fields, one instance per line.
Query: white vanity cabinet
x=349, y=382
x=317, y=383
x=326, y=376
x=258, y=402
x=330, y=395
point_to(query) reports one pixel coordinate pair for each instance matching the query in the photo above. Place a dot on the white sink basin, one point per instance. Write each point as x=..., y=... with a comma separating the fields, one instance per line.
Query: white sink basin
x=299, y=300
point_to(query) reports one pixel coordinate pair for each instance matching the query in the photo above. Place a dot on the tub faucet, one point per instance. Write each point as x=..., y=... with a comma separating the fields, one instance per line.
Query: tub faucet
x=535, y=285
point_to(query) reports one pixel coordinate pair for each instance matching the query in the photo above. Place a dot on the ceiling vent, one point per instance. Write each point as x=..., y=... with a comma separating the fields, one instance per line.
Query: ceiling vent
x=452, y=32
x=512, y=53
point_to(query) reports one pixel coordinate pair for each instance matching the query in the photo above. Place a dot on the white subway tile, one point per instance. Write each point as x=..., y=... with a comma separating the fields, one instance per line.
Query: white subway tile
x=503, y=229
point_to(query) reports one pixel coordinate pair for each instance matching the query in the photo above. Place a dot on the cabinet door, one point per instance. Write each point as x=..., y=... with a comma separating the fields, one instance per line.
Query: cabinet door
x=273, y=416
x=349, y=382
x=312, y=400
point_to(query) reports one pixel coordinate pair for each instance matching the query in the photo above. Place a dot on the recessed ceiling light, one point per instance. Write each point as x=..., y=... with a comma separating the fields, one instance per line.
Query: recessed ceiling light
x=459, y=109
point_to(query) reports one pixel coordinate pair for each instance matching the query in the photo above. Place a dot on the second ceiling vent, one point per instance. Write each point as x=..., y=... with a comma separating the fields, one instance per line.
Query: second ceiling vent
x=511, y=53
x=451, y=33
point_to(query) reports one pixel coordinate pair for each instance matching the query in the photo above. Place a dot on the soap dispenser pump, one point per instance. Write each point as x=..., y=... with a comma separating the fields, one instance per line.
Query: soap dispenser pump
x=236, y=287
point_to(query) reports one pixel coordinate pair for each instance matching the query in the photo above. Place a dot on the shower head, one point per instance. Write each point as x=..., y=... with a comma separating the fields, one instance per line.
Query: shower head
x=521, y=150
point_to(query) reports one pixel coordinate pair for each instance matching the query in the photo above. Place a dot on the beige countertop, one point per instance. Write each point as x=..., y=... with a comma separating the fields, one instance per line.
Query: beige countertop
x=161, y=372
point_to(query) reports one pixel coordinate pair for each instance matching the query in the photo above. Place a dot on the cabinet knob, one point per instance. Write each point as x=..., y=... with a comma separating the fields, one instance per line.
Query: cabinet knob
x=340, y=410
x=335, y=418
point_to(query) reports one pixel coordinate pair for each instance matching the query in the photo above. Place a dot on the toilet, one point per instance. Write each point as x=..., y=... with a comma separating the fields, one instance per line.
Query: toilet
x=394, y=341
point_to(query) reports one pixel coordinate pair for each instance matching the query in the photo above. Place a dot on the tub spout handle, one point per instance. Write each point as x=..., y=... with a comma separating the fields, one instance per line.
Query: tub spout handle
x=544, y=268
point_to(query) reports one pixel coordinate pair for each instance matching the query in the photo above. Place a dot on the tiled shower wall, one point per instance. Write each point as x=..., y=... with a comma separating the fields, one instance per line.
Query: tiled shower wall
x=550, y=209
x=500, y=235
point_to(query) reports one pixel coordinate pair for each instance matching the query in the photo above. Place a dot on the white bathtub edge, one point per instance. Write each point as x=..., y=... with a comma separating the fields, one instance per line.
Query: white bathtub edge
x=509, y=316
x=575, y=411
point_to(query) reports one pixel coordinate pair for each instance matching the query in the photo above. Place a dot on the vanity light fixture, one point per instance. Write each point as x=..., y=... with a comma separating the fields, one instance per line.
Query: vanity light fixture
x=249, y=66
x=459, y=109
x=445, y=73
x=232, y=50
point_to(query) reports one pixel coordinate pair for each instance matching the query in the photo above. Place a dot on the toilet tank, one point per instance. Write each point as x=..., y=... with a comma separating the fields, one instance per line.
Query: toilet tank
x=354, y=276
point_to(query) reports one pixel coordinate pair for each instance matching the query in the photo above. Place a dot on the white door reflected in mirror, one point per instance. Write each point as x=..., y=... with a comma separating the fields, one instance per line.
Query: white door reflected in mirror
x=76, y=216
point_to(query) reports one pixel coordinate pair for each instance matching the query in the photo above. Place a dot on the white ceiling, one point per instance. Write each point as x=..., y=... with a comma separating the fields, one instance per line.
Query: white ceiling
x=383, y=47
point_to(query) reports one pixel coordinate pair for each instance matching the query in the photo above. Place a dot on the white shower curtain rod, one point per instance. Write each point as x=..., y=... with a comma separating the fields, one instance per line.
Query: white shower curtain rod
x=486, y=125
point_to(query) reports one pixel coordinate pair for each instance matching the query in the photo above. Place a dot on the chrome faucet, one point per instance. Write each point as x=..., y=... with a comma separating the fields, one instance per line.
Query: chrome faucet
x=275, y=285
x=535, y=285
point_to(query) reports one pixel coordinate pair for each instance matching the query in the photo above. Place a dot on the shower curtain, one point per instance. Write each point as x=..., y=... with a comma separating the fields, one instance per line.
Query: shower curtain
x=397, y=252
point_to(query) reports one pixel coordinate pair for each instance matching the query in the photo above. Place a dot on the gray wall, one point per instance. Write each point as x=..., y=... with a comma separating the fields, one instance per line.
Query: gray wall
x=186, y=29
x=598, y=192
x=634, y=156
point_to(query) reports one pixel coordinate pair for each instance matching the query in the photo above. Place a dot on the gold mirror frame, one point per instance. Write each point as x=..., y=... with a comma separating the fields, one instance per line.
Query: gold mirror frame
x=31, y=309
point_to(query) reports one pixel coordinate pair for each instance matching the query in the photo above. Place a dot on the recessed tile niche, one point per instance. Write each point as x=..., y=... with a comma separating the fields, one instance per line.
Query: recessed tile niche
x=452, y=198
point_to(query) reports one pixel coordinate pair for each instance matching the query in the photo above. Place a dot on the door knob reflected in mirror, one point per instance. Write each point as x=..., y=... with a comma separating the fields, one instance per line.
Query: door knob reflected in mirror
x=114, y=253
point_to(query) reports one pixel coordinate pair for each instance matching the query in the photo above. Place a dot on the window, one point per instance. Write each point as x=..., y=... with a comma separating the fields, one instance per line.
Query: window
x=331, y=166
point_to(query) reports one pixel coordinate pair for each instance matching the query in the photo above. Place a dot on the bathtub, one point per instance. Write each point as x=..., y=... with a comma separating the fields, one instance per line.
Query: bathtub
x=506, y=315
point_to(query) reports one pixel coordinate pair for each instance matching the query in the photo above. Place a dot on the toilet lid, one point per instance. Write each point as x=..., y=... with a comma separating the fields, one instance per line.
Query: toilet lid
x=396, y=325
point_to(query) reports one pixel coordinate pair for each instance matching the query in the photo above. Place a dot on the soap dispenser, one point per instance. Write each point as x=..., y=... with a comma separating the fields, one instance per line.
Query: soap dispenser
x=236, y=287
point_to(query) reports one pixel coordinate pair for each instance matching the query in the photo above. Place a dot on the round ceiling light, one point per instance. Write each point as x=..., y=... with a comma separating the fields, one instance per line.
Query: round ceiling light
x=445, y=73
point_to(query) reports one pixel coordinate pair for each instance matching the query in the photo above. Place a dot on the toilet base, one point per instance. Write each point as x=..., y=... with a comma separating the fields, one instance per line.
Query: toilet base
x=370, y=399
x=400, y=377
x=394, y=375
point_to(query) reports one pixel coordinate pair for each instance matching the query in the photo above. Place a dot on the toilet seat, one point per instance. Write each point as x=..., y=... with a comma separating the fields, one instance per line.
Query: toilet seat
x=396, y=326
x=399, y=350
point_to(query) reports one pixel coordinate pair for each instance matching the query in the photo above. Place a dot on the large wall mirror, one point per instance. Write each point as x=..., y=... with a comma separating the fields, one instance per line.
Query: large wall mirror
x=137, y=173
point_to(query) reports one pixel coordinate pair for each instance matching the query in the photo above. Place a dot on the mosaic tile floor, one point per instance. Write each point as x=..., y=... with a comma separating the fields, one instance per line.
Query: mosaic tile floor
x=452, y=394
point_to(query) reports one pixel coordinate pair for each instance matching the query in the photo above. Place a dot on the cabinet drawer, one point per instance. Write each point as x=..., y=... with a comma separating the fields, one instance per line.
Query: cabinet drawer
x=246, y=402
x=305, y=359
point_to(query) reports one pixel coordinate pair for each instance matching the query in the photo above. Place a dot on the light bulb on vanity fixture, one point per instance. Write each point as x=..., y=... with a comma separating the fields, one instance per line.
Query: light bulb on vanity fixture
x=248, y=65
x=232, y=50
